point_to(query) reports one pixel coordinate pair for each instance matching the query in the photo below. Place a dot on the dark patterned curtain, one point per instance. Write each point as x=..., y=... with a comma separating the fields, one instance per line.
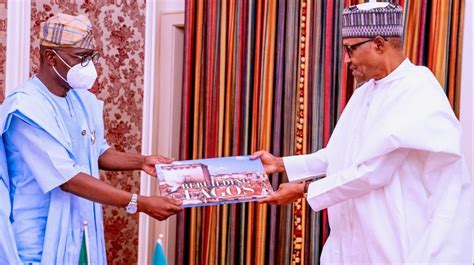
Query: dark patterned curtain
x=269, y=75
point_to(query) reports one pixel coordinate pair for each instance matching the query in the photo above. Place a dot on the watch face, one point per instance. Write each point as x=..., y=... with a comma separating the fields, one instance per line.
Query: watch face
x=132, y=208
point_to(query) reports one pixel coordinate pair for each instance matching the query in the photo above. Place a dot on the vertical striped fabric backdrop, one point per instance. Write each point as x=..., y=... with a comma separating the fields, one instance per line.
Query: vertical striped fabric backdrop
x=269, y=75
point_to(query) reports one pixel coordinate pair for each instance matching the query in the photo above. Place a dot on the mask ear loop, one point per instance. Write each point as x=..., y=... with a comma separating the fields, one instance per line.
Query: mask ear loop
x=61, y=58
x=60, y=76
x=56, y=71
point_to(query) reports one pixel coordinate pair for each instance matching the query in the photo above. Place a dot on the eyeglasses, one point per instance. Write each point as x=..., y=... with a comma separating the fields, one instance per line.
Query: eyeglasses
x=350, y=48
x=85, y=59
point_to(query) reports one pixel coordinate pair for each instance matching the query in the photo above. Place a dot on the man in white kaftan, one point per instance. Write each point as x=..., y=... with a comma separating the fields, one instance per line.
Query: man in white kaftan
x=396, y=185
x=51, y=149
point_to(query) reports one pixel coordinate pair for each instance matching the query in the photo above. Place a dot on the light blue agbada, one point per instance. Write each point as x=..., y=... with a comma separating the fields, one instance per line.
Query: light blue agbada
x=45, y=146
x=8, y=249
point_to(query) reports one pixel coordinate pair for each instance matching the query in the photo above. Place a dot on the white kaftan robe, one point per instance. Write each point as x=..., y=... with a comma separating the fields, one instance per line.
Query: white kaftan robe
x=397, y=188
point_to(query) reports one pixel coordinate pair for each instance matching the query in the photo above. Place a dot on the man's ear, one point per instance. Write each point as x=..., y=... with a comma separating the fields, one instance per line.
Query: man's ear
x=48, y=57
x=380, y=44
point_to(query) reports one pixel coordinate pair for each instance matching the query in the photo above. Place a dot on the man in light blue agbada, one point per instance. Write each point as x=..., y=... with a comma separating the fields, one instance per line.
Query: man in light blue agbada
x=51, y=151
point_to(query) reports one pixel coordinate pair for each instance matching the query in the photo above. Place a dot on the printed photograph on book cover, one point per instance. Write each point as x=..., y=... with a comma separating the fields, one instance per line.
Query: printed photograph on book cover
x=214, y=181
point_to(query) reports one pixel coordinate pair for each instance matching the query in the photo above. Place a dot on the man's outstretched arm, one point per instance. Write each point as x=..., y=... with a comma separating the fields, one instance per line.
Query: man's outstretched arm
x=52, y=167
x=90, y=188
x=113, y=160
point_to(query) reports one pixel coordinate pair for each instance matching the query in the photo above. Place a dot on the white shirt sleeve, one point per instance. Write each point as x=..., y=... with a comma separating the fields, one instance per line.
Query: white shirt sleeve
x=47, y=160
x=354, y=181
x=304, y=167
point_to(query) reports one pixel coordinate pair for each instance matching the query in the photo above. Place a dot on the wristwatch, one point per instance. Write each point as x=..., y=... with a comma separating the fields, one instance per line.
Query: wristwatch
x=132, y=206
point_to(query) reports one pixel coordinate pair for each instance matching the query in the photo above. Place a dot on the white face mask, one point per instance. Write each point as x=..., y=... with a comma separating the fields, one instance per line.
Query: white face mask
x=78, y=76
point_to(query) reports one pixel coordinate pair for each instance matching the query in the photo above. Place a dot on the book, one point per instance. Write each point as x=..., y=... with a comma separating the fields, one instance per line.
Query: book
x=214, y=181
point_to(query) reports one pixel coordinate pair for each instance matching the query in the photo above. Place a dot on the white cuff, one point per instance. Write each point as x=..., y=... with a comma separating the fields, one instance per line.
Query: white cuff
x=297, y=167
x=317, y=196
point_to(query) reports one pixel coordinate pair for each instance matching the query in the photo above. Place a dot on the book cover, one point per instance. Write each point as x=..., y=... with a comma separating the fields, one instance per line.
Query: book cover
x=214, y=181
